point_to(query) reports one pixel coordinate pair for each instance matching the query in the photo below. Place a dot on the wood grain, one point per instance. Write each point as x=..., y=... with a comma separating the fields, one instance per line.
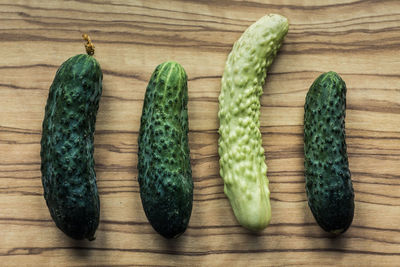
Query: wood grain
x=358, y=39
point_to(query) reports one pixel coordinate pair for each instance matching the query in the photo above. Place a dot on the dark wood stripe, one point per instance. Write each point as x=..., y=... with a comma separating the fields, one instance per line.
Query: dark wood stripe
x=251, y=4
x=40, y=250
x=203, y=227
x=196, y=26
x=215, y=131
x=108, y=13
x=215, y=198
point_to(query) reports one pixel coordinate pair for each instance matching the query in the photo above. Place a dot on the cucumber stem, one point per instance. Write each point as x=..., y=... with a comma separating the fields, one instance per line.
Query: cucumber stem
x=88, y=45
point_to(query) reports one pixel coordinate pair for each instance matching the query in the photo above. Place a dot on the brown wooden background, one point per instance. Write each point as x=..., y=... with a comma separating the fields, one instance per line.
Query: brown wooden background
x=358, y=39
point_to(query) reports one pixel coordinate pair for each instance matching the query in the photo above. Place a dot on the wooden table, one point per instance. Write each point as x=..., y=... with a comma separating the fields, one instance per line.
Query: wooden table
x=358, y=39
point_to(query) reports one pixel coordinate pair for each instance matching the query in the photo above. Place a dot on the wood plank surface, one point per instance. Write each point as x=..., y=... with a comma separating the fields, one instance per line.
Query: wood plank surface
x=358, y=39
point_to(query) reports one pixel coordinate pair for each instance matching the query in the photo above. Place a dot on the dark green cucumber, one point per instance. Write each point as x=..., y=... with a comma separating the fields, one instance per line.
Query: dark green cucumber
x=68, y=175
x=165, y=175
x=328, y=179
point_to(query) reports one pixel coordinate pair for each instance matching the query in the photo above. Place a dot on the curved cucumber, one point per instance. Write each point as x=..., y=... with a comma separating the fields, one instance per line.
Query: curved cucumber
x=68, y=175
x=328, y=179
x=242, y=160
x=165, y=175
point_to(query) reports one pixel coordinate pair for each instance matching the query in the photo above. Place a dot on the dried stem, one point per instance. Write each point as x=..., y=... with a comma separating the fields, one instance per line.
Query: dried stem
x=88, y=45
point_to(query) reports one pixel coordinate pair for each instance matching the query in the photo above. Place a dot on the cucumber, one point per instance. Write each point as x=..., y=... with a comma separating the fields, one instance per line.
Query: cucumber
x=242, y=160
x=328, y=179
x=165, y=175
x=67, y=164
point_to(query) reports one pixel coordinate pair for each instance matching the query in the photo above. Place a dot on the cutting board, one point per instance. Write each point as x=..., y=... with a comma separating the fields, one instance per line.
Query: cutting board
x=358, y=39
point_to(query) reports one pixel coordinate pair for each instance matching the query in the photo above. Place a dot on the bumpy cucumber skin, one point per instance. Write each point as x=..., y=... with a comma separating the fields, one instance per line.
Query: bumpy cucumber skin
x=165, y=175
x=328, y=179
x=68, y=175
x=242, y=159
